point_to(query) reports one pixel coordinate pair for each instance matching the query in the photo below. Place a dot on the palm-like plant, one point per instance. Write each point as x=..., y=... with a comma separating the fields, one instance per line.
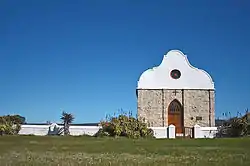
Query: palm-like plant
x=67, y=119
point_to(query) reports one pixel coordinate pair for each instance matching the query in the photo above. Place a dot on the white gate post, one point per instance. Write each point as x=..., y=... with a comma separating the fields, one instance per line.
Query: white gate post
x=171, y=131
x=197, y=131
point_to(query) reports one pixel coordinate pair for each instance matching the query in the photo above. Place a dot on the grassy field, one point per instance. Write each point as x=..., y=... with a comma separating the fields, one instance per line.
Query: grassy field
x=66, y=151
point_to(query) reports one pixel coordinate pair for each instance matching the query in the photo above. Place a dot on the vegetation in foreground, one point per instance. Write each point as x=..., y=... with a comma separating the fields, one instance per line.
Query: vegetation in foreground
x=125, y=125
x=68, y=150
x=10, y=124
x=116, y=149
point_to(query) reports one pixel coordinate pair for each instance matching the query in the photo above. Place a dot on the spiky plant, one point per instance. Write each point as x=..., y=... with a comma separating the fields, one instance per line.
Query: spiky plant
x=67, y=120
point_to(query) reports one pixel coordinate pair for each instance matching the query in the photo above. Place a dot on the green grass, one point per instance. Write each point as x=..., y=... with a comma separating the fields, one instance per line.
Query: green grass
x=67, y=151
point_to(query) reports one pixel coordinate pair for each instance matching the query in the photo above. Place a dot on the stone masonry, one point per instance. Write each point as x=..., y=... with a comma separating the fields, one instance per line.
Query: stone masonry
x=153, y=106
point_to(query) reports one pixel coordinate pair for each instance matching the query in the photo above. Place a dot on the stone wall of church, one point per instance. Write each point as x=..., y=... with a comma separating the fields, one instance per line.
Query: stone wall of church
x=153, y=106
x=197, y=104
x=149, y=106
x=212, y=100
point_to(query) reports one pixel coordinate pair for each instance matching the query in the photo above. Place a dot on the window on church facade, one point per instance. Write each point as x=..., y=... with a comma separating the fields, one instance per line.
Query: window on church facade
x=174, y=107
x=175, y=74
x=198, y=118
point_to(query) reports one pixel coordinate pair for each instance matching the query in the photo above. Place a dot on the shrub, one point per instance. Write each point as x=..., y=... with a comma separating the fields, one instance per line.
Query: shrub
x=248, y=129
x=126, y=126
x=238, y=127
x=8, y=126
x=101, y=133
x=16, y=119
x=235, y=127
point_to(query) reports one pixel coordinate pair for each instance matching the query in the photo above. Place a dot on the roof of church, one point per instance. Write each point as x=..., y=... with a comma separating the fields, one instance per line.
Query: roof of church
x=175, y=72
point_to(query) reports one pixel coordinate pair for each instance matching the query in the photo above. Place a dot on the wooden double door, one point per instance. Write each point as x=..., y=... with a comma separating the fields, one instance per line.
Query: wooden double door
x=175, y=116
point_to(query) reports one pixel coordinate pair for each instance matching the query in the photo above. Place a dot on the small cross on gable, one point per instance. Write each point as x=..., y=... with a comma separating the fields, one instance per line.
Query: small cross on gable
x=175, y=92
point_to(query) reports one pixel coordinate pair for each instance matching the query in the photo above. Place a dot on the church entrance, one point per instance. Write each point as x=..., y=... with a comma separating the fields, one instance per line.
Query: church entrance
x=175, y=115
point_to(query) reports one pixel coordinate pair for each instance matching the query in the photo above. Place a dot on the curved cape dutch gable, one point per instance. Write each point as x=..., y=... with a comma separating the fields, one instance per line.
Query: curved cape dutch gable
x=159, y=77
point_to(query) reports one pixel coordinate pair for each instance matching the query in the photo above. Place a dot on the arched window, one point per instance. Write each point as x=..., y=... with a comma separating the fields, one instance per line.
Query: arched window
x=174, y=107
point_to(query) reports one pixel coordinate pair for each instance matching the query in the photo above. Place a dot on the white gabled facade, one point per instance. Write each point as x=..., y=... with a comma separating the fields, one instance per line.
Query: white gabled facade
x=159, y=77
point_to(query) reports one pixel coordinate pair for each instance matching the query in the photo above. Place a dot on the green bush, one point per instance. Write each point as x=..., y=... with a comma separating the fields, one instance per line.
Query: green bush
x=101, y=133
x=248, y=129
x=238, y=127
x=9, y=126
x=125, y=126
x=16, y=119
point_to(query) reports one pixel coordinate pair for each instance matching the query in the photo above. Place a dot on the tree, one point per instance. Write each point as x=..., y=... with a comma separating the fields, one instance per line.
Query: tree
x=67, y=119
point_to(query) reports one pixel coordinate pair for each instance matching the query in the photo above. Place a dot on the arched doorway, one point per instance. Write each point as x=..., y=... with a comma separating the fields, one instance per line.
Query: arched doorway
x=175, y=115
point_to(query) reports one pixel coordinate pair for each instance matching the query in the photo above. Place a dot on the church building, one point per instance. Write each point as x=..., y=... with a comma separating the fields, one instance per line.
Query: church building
x=175, y=92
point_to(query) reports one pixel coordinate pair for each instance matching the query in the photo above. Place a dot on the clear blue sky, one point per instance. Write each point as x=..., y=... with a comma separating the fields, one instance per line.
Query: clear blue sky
x=85, y=56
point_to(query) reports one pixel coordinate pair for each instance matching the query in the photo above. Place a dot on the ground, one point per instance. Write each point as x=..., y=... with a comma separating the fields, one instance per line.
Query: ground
x=65, y=151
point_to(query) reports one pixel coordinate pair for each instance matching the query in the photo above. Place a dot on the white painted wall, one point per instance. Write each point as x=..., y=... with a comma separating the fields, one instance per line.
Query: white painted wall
x=83, y=130
x=42, y=130
x=160, y=132
x=159, y=77
x=34, y=129
x=205, y=132
x=209, y=132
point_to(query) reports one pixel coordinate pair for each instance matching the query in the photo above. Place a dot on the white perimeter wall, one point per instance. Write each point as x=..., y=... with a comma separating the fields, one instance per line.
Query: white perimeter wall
x=205, y=132
x=159, y=132
x=208, y=132
x=44, y=129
